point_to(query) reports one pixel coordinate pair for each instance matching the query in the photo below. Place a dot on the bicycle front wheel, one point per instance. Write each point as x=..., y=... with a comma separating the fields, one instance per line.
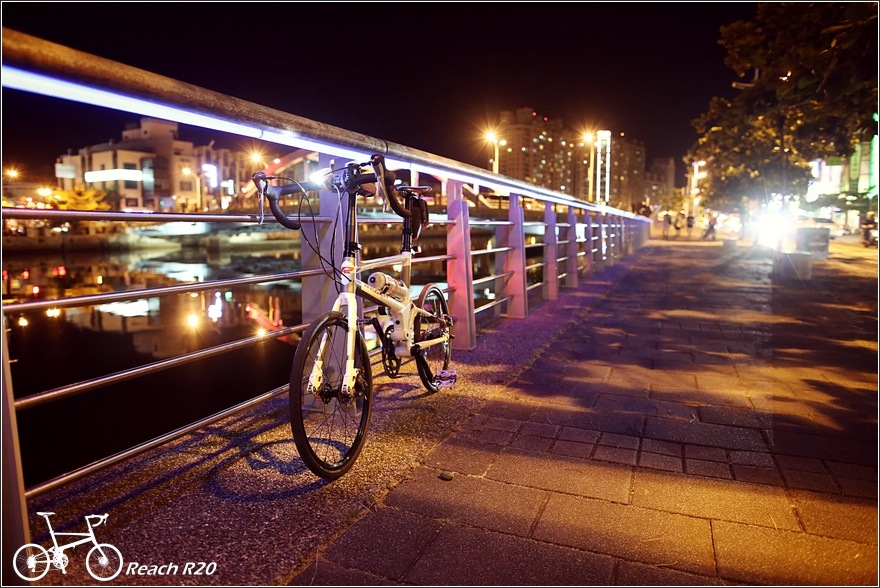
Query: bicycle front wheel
x=31, y=562
x=434, y=359
x=104, y=562
x=329, y=423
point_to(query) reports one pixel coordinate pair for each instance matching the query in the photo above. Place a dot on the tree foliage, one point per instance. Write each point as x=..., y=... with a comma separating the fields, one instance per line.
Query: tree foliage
x=809, y=92
x=81, y=198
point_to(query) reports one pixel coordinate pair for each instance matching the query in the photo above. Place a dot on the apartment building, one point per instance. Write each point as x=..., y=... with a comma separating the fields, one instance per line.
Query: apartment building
x=546, y=152
x=150, y=168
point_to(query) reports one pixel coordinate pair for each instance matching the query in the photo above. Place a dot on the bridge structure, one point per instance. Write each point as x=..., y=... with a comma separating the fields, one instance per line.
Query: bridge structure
x=540, y=242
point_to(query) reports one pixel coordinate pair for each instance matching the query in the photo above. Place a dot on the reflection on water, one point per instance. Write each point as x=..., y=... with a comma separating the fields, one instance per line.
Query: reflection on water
x=59, y=347
x=164, y=326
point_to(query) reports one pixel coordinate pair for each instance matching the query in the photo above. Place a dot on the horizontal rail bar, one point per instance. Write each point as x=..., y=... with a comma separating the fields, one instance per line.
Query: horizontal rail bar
x=125, y=375
x=155, y=442
x=493, y=277
x=492, y=304
x=126, y=295
x=476, y=252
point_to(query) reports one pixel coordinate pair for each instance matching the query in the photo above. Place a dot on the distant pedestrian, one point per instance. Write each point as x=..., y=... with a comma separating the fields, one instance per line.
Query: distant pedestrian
x=690, y=225
x=677, y=225
x=667, y=224
x=710, y=230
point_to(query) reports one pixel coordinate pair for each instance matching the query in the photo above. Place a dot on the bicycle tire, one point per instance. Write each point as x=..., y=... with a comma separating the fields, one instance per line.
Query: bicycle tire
x=104, y=562
x=432, y=360
x=31, y=562
x=329, y=430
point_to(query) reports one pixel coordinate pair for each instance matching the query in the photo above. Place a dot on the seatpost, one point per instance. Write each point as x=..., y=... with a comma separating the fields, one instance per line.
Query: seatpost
x=351, y=245
x=406, y=241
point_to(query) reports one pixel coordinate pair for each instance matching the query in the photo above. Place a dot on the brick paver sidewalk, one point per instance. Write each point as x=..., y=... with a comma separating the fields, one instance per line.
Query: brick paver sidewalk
x=702, y=423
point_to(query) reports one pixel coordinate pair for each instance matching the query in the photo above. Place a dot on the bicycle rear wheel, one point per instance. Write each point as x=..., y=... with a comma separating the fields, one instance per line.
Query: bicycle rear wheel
x=329, y=425
x=433, y=360
x=31, y=562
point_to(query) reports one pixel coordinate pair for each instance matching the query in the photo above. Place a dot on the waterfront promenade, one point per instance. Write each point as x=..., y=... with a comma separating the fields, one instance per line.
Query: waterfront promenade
x=683, y=417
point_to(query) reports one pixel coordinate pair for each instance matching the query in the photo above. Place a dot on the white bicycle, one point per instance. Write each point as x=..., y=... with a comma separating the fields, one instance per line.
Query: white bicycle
x=103, y=561
x=331, y=381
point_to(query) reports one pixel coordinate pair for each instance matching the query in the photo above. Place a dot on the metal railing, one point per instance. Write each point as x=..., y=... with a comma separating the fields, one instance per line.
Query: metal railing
x=525, y=260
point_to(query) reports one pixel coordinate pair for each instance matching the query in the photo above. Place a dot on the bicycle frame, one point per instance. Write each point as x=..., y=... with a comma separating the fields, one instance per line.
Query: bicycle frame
x=402, y=311
x=60, y=549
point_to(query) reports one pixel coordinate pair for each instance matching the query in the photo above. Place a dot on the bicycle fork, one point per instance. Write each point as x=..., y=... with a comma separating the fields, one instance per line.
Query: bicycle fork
x=316, y=377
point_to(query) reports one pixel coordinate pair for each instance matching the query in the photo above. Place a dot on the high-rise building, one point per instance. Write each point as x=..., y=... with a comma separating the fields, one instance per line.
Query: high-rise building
x=549, y=154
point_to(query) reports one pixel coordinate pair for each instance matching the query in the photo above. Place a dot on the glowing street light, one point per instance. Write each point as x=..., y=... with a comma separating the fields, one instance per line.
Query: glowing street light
x=188, y=172
x=696, y=176
x=496, y=142
x=603, y=169
x=590, y=140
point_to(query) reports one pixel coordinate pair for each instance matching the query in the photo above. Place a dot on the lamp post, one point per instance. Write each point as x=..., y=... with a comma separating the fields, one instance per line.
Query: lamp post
x=588, y=139
x=496, y=142
x=696, y=176
x=188, y=172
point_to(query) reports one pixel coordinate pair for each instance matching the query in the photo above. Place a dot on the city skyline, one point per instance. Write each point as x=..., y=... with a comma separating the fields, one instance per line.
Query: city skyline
x=646, y=71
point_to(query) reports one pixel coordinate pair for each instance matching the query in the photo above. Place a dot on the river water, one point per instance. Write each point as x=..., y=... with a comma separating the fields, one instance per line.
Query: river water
x=54, y=349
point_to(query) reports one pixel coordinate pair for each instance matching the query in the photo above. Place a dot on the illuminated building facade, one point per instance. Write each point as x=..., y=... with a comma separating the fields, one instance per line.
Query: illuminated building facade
x=151, y=169
x=549, y=154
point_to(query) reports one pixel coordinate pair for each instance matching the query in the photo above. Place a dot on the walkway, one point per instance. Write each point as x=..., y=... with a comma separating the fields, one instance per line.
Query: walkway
x=683, y=418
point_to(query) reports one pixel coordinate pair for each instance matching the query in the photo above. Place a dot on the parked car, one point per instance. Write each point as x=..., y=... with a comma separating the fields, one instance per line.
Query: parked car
x=834, y=229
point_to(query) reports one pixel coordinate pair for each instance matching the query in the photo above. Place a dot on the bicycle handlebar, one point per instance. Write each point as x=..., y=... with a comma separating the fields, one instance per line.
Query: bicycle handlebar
x=101, y=519
x=350, y=182
x=388, y=177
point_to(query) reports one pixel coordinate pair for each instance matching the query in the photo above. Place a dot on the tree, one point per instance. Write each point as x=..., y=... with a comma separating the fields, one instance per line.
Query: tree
x=81, y=198
x=812, y=95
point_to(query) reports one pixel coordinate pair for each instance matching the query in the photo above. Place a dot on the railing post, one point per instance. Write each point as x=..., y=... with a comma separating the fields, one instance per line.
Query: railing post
x=590, y=244
x=514, y=261
x=571, y=250
x=611, y=238
x=551, y=253
x=16, y=531
x=460, y=268
x=319, y=292
x=601, y=241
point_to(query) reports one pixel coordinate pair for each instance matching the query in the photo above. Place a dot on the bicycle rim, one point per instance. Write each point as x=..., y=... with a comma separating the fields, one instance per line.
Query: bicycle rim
x=104, y=562
x=432, y=360
x=329, y=428
x=31, y=562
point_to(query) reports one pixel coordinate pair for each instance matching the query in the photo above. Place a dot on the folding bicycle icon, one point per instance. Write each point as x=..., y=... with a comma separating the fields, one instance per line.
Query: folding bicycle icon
x=103, y=561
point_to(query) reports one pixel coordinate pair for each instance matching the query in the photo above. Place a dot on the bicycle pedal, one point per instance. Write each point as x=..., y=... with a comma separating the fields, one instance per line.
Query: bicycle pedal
x=445, y=378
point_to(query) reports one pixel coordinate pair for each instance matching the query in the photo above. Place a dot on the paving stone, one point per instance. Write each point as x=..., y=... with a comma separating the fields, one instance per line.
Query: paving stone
x=563, y=474
x=635, y=534
x=467, y=556
x=659, y=461
x=837, y=516
x=714, y=499
x=767, y=556
x=404, y=537
x=475, y=501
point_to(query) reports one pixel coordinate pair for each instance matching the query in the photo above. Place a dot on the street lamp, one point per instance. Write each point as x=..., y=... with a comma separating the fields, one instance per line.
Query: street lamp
x=496, y=142
x=188, y=172
x=588, y=139
x=696, y=176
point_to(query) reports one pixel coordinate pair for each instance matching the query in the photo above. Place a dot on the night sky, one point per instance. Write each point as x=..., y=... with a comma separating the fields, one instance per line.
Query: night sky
x=445, y=69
